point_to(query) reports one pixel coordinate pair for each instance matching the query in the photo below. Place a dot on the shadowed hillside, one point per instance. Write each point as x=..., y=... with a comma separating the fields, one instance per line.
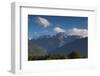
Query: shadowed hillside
x=79, y=45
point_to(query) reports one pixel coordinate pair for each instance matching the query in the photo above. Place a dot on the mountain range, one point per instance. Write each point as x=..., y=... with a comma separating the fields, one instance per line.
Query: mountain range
x=59, y=44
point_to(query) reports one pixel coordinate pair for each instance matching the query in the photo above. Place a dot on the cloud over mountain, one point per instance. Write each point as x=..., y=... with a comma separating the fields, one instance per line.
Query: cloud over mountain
x=42, y=21
x=58, y=29
x=77, y=32
x=72, y=32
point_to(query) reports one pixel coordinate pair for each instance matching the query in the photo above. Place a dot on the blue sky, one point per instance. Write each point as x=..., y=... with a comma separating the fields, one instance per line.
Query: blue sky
x=39, y=25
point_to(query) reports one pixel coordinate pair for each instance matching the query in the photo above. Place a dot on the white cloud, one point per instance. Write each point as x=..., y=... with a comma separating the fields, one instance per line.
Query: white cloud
x=58, y=29
x=42, y=21
x=78, y=32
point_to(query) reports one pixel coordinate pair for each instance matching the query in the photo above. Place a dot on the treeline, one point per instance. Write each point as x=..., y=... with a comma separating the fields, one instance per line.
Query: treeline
x=72, y=55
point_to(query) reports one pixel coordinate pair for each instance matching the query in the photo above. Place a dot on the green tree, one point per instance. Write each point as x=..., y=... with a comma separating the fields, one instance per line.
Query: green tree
x=74, y=54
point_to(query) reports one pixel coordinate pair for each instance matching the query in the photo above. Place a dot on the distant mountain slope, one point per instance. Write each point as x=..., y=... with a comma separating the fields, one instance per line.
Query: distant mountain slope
x=53, y=42
x=79, y=45
x=35, y=50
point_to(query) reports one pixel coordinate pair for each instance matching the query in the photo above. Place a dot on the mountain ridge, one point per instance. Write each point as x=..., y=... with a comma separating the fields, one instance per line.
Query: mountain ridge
x=52, y=42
